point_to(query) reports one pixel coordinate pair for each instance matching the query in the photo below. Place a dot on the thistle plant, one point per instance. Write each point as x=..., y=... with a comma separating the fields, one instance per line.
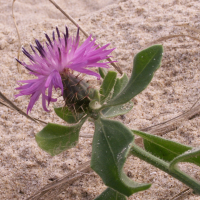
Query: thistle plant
x=112, y=141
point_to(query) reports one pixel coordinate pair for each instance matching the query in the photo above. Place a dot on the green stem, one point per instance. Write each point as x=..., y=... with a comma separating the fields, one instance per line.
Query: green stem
x=181, y=158
x=164, y=166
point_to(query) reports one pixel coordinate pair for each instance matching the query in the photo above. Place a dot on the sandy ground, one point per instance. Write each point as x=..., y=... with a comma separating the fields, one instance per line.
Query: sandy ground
x=130, y=26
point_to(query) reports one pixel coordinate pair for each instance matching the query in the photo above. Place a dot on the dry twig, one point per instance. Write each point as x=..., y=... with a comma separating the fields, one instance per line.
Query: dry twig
x=55, y=188
x=172, y=124
x=83, y=31
x=19, y=48
x=181, y=194
x=186, y=25
x=12, y=105
x=174, y=36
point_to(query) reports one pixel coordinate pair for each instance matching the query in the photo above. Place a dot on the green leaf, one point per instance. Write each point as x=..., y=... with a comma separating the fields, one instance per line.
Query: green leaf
x=102, y=72
x=114, y=111
x=145, y=64
x=165, y=149
x=65, y=114
x=96, y=95
x=111, y=144
x=120, y=84
x=107, y=85
x=55, y=138
x=110, y=194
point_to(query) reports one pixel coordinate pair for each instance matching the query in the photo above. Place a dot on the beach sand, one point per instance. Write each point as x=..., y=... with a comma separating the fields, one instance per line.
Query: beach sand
x=129, y=26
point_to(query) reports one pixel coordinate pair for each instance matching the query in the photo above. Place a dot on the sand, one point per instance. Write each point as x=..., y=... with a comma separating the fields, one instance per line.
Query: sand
x=129, y=26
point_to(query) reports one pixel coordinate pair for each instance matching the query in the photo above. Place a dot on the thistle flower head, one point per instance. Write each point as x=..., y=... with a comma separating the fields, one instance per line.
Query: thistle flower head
x=57, y=58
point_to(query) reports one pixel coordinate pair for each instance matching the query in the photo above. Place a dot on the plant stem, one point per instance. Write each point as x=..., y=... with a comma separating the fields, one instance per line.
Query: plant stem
x=164, y=166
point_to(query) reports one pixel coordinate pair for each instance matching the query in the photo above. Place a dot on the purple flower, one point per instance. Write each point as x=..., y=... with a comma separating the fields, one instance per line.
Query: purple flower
x=59, y=57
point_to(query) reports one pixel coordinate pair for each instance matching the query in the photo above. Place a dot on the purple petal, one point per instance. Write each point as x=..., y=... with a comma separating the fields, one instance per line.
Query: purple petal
x=33, y=99
x=44, y=102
